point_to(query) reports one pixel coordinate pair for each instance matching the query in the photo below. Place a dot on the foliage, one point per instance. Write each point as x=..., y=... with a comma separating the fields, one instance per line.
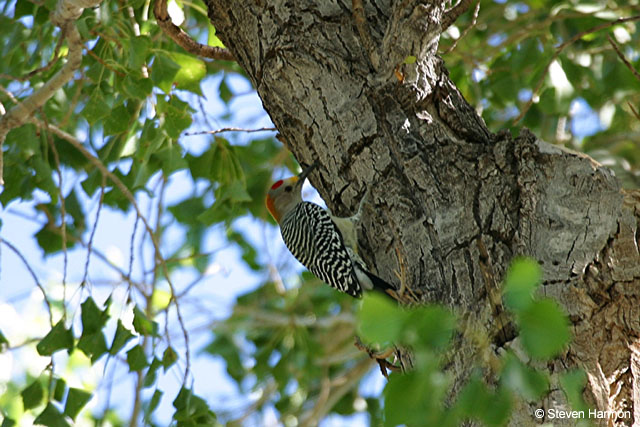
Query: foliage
x=99, y=324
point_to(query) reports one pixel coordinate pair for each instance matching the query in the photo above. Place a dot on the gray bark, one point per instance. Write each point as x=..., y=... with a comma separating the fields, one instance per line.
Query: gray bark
x=452, y=203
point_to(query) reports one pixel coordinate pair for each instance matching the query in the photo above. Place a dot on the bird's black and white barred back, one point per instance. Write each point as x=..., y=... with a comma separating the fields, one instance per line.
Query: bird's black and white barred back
x=315, y=241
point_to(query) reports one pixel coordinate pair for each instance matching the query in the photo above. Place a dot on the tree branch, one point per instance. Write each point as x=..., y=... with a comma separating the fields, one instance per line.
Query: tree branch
x=622, y=57
x=67, y=11
x=450, y=15
x=559, y=50
x=176, y=34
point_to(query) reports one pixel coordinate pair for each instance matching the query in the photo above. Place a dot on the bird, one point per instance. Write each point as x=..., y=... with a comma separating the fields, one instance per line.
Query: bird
x=326, y=245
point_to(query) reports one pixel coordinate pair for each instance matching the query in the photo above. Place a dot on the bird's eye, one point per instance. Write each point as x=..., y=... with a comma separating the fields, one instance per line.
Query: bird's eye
x=288, y=189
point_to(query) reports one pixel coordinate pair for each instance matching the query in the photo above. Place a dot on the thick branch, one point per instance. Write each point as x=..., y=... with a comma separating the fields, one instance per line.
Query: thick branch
x=183, y=39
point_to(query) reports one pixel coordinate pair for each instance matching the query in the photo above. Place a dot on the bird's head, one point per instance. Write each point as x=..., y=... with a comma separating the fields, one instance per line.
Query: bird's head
x=285, y=194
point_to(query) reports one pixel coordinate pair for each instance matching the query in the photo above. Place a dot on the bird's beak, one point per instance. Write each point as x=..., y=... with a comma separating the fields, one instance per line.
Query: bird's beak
x=305, y=173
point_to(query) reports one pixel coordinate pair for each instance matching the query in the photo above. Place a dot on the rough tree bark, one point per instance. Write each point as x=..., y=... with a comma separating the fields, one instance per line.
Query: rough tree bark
x=452, y=203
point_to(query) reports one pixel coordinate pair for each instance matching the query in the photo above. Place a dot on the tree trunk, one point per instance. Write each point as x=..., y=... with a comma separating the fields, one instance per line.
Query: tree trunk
x=451, y=203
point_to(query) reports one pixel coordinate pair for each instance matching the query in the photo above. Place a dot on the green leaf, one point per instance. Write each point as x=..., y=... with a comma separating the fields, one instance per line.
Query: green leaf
x=192, y=409
x=117, y=121
x=59, y=389
x=139, y=49
x=169, y=357
x=8, y=422
x=163, y=71
x=136, y=359
x=96, y=107
x=142, y=324
x=544, y=329
x=523, y=277
x=380, y=320
x=177, y=116
x=93, y=345
x=573, y=384
x=152, y=373
x=192, y=71
x=224, y=92
x=429, y=327
x=413, y=399
x=120, y=339
x=76, y=400
x=213, y=40
x=92, y=342
x=139, y=88
x=4, y=342
x=58, y=338
x=32, y=395
x=93, y=319
x=522, y=379
x=153, y=405
x=51, y=417
x=409, y=60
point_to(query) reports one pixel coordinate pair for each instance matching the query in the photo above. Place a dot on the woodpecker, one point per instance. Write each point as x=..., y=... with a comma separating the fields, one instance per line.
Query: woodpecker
x=324, y=244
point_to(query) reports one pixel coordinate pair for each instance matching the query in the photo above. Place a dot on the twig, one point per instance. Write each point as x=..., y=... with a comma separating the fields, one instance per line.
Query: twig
x=474, y=20
x=50, y=64
x=341, y=385
x=63, y=216
x=93, y=231
x=64, y=17
x=635, y=113
x=125, y=191
x=183, y=39
x=365, y=34
x=450, y=15
x=559, y=50
x=33, y=274
x=230, y=129
x=622, y=57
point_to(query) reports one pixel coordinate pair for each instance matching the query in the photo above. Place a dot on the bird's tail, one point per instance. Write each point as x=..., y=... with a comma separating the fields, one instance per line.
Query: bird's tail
x=380, y=285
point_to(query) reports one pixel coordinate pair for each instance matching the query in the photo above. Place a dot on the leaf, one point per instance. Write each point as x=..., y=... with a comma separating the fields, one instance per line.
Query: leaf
x=544, y=329
x=142, y=324
x=120, y=339
x=409, y=60
x=573, y=384
x=523, y=277
x=32, y=395
x=96, y=107
x=117, y=121
x=522, y=379
x=379, y=319
x=93, y=345
x=59, y=390
x=58, y=338
x=51, y=417
x=153, y=404
x=213, y=40
x=139, y=49
x=192, y=409
x=163, y=71
x=430, y=327
x=192, y=71
x=76, y=400
x=176, y=114
x=136, y=359
x=92, y=342
x=152, y=373
x=169, y=357
x=93, y=319
x=4, y=343
x=8, y=422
